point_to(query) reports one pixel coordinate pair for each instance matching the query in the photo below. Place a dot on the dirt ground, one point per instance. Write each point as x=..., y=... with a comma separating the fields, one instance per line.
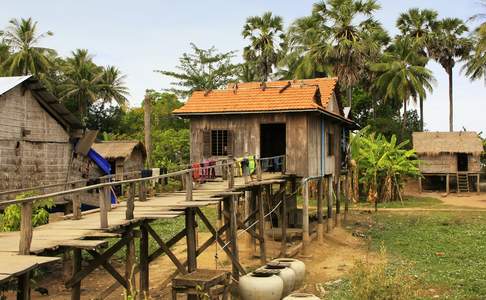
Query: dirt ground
x=325, y=262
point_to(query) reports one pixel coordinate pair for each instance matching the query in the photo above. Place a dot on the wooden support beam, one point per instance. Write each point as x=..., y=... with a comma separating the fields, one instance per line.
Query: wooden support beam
x=108, y=267
x=144, y=263
x=242, y=225
x=261, y=227
x=478, y=187
x=176, y=238
x=320, y=213
x=166, y=249
x=130, y=202
x=305, y=218
x=76, y=202
x=284, y=165
x=216, y=236
x=284, y=222
x=104, y=193
x=78, y=276
x=25, y=228
x=76, y=288
x=234, y=237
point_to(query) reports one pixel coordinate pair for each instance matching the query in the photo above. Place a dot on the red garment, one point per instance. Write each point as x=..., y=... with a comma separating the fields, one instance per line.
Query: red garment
x=196, y=172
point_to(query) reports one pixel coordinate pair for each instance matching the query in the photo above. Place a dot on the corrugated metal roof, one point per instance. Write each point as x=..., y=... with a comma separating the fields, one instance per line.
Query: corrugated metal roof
x=8, y=83
x=43, y=96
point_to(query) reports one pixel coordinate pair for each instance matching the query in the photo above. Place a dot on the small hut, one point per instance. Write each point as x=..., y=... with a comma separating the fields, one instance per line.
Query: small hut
x=124, y=156
x=449, y=156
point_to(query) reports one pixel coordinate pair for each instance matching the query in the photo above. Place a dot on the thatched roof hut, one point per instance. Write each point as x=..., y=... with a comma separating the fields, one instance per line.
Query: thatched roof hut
x=450, y=155
x=124, y=156
x=436, y=143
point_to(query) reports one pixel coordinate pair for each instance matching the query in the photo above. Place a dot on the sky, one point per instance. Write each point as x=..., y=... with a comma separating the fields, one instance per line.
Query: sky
x=146, y=35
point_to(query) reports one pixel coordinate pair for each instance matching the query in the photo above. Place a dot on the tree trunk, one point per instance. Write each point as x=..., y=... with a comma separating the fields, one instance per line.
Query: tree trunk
x=147, y=108
x=404, y=121
x=350, y=97
x=451, y=101
x=421, y=114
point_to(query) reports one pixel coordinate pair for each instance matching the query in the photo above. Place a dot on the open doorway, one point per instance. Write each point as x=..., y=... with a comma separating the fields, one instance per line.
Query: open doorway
x=272, y=143
x=462, y=162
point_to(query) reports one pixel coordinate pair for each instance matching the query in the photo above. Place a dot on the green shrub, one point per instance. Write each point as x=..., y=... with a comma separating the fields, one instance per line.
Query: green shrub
x=10, y=219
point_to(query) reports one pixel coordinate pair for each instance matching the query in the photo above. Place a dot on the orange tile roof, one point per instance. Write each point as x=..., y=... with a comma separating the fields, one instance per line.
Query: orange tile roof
x=251, y=97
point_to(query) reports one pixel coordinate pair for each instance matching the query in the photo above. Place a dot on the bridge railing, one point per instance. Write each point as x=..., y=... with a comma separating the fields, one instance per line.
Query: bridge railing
x=104, y=190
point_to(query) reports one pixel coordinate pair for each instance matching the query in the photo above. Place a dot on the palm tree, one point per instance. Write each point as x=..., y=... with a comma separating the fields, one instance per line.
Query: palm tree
x=84, y=81
x=402, y=74
x=346, y=21
x=475, y=67
x=22, y=37
x=4, y=55
x=265, y=34
x=448, y=44
x=307, y=49
x=418, y=25
x=113, y=86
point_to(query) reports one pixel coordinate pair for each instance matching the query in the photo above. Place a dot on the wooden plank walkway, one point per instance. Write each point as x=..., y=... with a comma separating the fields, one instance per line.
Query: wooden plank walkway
x=87, y=234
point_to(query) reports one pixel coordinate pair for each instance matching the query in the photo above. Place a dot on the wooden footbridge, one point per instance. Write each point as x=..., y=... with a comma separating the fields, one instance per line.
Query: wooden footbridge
x=24, y=251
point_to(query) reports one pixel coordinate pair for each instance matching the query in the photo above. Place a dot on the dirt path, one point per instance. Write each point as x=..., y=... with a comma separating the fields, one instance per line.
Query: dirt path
x=472, y=200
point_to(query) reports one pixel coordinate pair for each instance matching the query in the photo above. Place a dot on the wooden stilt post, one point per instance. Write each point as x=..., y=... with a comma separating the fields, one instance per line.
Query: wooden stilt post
x=447, y=184
x=25, y=228
x=233, y=236
x=320, y=217
x=76, y=204
x=104, y=202
x=130, y=267
x=76, y=289
x=231, y=172
x=144, y=263
x=248, y=211
x=191, y=243
x=305, y=218
x=23, y=287
x=188, y=178
x=478, y=187
x=284, y=222
x=130, y=202
x=346, y=198
x=261, y=227
x=253, y=207
x=420, y=185
x=292, y=203
x=338, y=203
x=329, y=204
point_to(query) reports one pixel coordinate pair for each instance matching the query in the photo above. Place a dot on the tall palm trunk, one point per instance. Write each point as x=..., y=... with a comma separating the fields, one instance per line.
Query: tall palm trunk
x=451, y=100
x=404, y=121
x=421, y=114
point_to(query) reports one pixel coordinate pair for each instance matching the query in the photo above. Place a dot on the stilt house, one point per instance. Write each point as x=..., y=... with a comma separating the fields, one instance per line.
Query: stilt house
x=301, y=119
x=447, y=157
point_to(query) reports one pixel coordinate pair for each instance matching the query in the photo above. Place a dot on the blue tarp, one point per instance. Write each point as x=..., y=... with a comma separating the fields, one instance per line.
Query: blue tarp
x=104, y=165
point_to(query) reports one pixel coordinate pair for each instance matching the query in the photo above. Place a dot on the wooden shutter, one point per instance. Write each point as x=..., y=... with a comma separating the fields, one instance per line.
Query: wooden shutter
x=206, y=136
x=230, y=143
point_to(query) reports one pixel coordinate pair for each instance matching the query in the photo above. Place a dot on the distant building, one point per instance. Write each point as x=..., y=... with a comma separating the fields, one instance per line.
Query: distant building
x=301, y=119
x=125, y=157
x=447, y=157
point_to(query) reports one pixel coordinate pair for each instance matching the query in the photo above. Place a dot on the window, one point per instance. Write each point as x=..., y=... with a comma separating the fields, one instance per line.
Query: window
x=330, y=144
x=219, y=142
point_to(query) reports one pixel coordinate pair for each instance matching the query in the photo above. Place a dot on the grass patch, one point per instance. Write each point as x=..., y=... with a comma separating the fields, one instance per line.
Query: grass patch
x=408, y=202
x=446, y=248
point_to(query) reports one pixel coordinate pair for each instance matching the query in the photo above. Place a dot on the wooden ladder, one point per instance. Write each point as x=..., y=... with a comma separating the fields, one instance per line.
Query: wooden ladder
x=462, y=183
